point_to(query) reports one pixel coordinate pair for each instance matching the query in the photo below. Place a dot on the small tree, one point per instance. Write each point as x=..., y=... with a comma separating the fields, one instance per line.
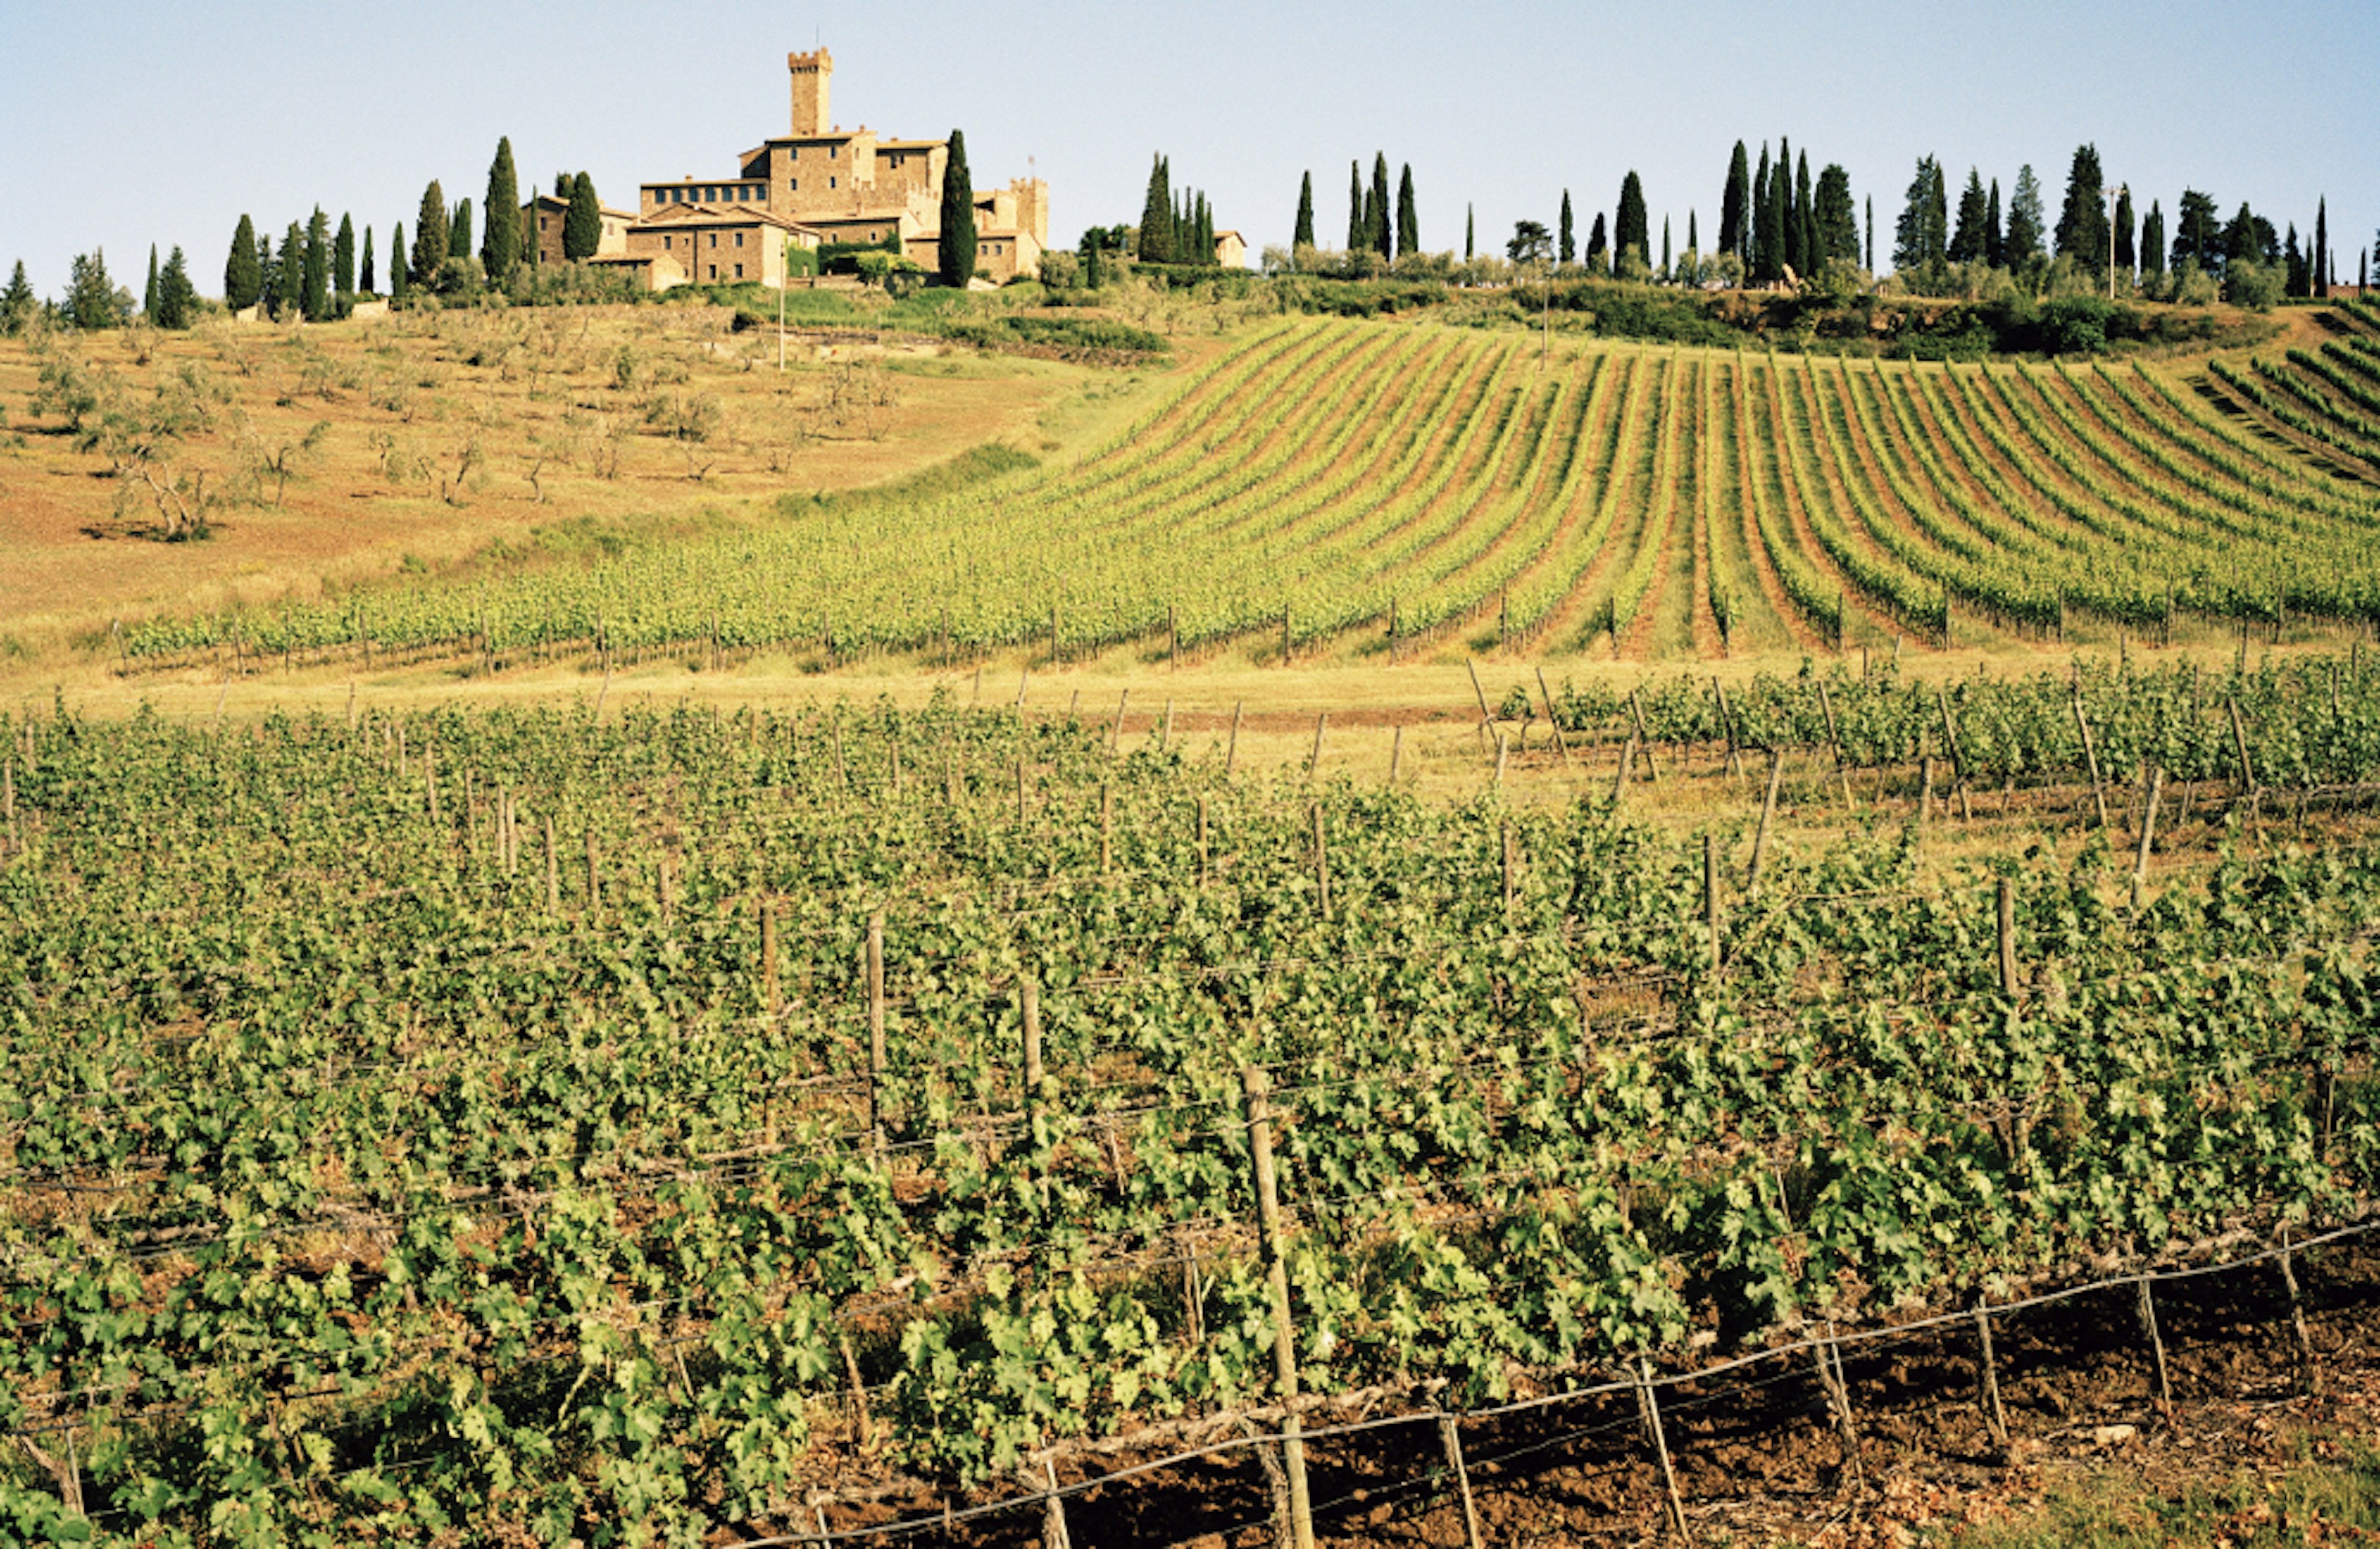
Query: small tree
x=1565, y=241
x=314, y=293
x=2153, y=240
x=1408, y=215
x=1530, y=244
x=2322, y=246
x=1470, y=227
x=1383, y=236
x=1157, y=215
x=503, y=251
x=92, y=300
x=459, y=235
x=430, y=233
x=2021, y=243
x=364, y=280
x=17, y=303
x=285, y=283
x=582, y=224
x=176, y=298
x=1301, y=235
x=243, y=281
x=1834, y=221
x=955, y=260
x=343, y=257
x=2083, y=218
x=149, y=297
x=399, y=280
x=1598, y=245
x=1356, y=223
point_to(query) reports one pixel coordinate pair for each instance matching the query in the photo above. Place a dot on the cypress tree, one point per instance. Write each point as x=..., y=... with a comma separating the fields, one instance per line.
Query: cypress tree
x=176, y=298
x=1599, y=245
x=1408, y=232
x=1778, y=224
x=2021, y=241
x=243, y=281
x=1356, y=224
x=2297, y=273
x=1789, y=223
x=955, y=263
x=430, y=233
x=1630, y=223
x=1303, y=237
x=1870, y=265
x=1565, y=249
x=458, y=236
x=1664, y=245
x=2127, y=255
x=343, y=257
x=1382, y=235
x=2153, y=240
x=1920, y=241
x=1806, y=220
x=1734, y=205
x=2083, y=220
x=1834, y=224
x=1760, y=240
x=501, y=253
x=364, y=280
x=1967, y=234
x=1694, y=239
x=1995, y=248
x=582, y=224
x=1470, y=227
x=1157, y=215
x=149, y=297
x=1094, y=261
x=398, y=281
x=2322, y=246
x=314, y=278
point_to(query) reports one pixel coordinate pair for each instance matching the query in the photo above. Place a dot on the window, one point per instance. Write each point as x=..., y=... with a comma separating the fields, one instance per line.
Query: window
x=541, y=223
x=795, y=186
x=739, y=271
x=668, y=241
x=829, y=152
x=714, y=272
x=833, y=182
x=795, y=154
x=714, y=239
x=739, y=239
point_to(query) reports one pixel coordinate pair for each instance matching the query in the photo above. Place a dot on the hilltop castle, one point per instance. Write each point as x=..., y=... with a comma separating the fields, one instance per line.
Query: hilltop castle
x=821, y=183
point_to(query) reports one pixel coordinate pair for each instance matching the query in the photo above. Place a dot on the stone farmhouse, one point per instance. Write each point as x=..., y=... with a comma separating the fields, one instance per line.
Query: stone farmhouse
x=821, y=183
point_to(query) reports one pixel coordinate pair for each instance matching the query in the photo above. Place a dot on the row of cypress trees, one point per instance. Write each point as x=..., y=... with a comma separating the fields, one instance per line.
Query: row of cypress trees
x=1776, y=222
x=1177, y=229
x=1368, y=228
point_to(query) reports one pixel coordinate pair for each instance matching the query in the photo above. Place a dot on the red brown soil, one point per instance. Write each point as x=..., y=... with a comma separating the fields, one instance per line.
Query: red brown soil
x=1756, y=1454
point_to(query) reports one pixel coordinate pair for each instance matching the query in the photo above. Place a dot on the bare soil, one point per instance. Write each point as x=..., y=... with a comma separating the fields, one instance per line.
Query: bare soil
x=1756, y=1454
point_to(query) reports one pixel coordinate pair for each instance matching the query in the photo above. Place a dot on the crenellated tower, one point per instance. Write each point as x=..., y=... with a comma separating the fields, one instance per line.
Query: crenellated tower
x=813, y=77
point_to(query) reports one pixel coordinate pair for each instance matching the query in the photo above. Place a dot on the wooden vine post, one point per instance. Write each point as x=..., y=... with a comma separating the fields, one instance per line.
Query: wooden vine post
x=2089, y=758
x=1987, y=1379
x=876, y=1029
x=1252, y=1085
x=2309, y=1375
x=771, y=992
x=1710, y=895
x=2007, y=912
x=1314, y=759
x=1396, y=753
x=1202, y=841
x=1107, y=827
x=1644, y=742
x=2148, y=833
x=1835, y=741
x=1768, y=816
x=1321, y=865
x=1231, y=748
x=1650, y=1402
x=1449, y=1439
x=2157, y=1348
x=2240, y=746
x=1553, y=722
x=552, y=872
x=1037, y=1124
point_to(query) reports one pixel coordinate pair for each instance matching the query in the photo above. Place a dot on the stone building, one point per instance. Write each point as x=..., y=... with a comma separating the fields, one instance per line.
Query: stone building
x=542, y=220
x=823, y=183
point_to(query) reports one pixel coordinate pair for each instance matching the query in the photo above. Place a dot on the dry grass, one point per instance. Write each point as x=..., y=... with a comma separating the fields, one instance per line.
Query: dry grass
x=446, y=433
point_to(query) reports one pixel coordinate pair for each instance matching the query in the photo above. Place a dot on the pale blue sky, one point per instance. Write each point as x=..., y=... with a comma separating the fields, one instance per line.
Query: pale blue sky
x=131, y=121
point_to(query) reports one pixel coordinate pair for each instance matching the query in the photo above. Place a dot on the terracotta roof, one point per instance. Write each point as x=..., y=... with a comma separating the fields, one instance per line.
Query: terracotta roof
x=717, y=216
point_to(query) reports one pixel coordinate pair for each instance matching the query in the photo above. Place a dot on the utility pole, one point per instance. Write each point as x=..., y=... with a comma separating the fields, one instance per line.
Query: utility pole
x=2113, y=196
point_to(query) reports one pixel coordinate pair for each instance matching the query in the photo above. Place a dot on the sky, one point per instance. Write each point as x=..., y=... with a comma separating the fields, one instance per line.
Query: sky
x=131, y=122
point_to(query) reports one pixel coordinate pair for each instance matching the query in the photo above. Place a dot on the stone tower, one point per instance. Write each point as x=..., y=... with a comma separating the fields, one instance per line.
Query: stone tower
x=812, y=73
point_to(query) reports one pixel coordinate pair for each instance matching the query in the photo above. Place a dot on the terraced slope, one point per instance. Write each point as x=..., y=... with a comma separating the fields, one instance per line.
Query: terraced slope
x=1351, y=486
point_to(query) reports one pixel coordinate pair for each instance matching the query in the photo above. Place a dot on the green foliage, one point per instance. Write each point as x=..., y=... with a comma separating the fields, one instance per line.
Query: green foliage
x=1834, y=221
x=149, y=294
x=954, y=257
x=342, y=257
x=582, y=224
x=1408, y=215
x=92, y=301
x=400, y=277
x=1565, y=249
x=243, y=277
x=1735, y=207
x=1631, y=229
x=458, y=234
x=1301, y=234
x=502, y=254
x=178, y=298
x=314, y=292
x=1381, y=235
x=18, y=305
x=368, y=281
x=431, y=228
x=2083, y=230
x=1157, y=215
x=1921, y=239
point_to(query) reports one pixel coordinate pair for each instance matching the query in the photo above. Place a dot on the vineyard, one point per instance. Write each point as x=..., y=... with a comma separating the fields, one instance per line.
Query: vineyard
x=547, y=1126
x=1452, y=487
